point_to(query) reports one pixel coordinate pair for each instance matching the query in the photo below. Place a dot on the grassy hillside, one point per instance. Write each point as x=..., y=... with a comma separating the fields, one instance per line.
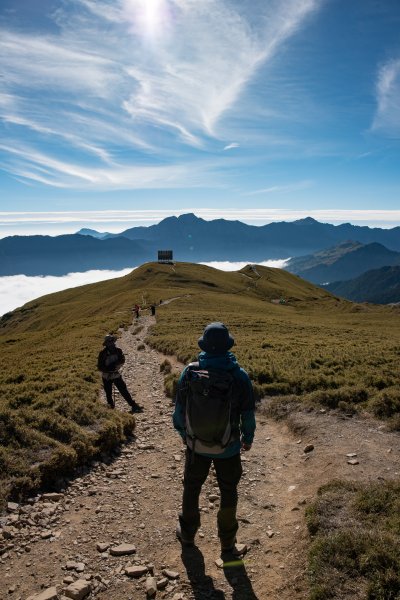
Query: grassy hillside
x=296, y=341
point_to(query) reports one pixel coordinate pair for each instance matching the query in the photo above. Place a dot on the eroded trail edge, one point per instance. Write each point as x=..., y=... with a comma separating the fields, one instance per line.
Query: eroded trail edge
x=133, y=500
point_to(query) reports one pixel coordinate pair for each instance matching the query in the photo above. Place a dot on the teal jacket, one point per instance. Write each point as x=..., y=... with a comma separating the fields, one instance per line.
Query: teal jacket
x=247, y=422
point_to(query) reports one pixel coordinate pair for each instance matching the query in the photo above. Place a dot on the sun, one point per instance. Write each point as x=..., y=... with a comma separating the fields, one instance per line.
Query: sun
x=149, y=17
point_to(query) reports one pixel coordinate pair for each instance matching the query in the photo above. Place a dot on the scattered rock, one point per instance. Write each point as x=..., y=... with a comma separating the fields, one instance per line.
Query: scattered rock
x=240, y=549
x=170, y=574
x=52, y=497
x=123, y=549
x=151, y=586
x=220, y=563
x=308, y=448
x=136, y=571
x=162, y=583
x=49, y=594
x=12, y=507
x=102, y=546
x=78, y=590
x=353, y=461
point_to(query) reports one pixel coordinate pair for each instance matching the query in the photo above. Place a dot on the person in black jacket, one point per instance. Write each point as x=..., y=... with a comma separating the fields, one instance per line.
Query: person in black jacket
x=109, y=362
x=215, y=357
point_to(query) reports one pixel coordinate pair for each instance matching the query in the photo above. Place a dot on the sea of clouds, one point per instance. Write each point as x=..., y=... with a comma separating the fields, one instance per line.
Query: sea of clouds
x=16, y=290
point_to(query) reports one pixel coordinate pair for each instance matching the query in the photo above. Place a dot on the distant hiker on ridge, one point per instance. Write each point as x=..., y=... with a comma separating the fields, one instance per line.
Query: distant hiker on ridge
x=136, y=310
x=214, y=414
x=110, y=360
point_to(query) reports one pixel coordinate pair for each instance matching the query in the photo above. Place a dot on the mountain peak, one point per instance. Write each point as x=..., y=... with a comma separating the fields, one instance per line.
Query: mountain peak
x=188, y=218
x=306, y=221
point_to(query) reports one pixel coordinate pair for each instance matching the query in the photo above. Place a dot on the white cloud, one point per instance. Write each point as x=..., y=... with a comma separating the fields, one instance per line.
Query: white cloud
x=236, y=266
x=231, y=146
x=387, y=117
x=16, y=290
x=133, y=75
x=282, y=189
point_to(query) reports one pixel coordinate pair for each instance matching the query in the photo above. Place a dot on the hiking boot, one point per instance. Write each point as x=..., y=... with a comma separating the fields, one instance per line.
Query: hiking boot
x=185, y=540
x=136, y=408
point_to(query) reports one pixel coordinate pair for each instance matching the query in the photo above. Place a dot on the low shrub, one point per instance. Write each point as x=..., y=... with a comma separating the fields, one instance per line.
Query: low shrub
x=386, y=403
x=356, y=541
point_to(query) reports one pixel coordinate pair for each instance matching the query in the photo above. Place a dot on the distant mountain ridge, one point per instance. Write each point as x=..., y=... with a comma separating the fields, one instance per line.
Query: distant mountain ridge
x=342, y=262
x=93, y=233
x=45, y=255
x=189, y=233
x=380, y=286
x=191, y=238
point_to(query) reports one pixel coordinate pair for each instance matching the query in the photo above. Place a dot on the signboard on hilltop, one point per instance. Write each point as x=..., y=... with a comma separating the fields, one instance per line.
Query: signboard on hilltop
x=165, y=256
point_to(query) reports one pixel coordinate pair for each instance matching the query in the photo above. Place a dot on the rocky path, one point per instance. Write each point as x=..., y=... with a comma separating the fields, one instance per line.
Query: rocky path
x=111, y=534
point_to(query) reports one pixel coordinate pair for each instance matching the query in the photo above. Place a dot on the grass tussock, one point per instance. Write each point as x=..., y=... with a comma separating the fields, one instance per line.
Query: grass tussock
x=355, y=551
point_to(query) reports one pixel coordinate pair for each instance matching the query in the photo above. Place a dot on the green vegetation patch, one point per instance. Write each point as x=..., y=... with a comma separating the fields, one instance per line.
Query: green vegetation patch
x=51, y=419
x=355, y=551
x=295, y=340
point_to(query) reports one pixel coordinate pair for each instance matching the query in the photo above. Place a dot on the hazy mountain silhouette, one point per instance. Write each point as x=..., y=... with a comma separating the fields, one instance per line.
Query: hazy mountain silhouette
x=45, y=255
x=342, y=262
x=191, y=239
x=381, y=286
x=192, y=236
x=93, y=233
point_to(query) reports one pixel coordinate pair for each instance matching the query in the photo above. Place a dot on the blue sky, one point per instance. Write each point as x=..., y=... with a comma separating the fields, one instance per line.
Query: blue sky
x=118, y=112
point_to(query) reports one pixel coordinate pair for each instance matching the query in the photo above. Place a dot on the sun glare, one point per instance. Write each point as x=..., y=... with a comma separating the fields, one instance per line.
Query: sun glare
x=149, y=17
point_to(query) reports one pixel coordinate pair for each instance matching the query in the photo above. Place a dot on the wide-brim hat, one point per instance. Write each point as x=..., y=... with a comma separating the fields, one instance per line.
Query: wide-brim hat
x=216, y=339
x=109, y=340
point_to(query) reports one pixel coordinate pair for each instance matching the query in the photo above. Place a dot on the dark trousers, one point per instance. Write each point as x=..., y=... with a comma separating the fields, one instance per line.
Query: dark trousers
x=229, y=472
x=121, y=387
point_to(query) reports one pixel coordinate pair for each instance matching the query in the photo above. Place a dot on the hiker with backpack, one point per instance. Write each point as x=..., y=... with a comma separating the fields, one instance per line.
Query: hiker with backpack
x=214, y=415
x=109, y=362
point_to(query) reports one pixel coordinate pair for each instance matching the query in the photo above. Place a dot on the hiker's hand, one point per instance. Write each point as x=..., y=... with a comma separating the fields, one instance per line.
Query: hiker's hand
x=246, y=447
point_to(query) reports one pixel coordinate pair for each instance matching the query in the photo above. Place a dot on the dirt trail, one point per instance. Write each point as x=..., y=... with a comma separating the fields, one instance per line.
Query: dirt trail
x=135, y=500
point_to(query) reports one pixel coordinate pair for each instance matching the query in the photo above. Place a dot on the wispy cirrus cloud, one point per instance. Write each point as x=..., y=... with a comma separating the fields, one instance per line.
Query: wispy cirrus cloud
x=232, y=146
x=387, y=118
x=282, y=189
x=125, y=83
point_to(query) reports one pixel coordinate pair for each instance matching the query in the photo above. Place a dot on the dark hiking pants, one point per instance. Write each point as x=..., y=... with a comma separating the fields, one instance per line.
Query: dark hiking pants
x=121, y=387
x=228, y=471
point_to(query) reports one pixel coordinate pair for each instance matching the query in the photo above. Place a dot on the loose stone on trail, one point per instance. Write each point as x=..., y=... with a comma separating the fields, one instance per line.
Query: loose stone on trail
x=49, y=594
x=170, y=574
x=151, y=586
x=78, y=590
x=308, y=448
x=123, y=549
x=52, y=497
x=136, y=571
x=102, y=546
